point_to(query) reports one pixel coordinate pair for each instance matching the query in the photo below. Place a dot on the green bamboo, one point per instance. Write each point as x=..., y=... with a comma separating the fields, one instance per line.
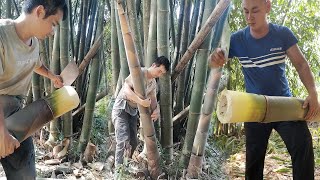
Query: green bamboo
x=36, y=86
x=123, y=59
x=152, y=50
x=190, y=70
x=152, y=37
x=114, y=49
x=134, y=25
x=201, y=36
x=45, y=60
x=79, y=85
x=178, y=35
x=146, y=22
x=184, y=43
x=8, y=9
x=55, y=67
x=172, y=28
x=198, y=88
x=135, y=70
x=92, y=91
x=77, y=41
x=198, y=149
x=64, y=60
x=165, y=84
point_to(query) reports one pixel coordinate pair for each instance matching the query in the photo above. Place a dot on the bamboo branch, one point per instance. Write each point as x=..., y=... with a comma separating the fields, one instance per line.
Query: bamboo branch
x=92, y=52
x=183, y=114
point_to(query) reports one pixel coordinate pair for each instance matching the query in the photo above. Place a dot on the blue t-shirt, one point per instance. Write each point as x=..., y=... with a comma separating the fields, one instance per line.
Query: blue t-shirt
x=263, y=60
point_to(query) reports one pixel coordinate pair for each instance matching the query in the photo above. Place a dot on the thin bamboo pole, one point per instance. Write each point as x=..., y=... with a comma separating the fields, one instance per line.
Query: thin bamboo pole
x=198, y=149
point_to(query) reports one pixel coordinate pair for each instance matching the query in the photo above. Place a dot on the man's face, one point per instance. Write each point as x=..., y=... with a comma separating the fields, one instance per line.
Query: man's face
x=157, y=72
x=46, y=26
x=255, y=12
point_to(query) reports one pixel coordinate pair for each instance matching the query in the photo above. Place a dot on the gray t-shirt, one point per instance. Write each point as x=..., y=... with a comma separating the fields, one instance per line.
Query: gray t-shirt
x=123, y=102
x=17, y=60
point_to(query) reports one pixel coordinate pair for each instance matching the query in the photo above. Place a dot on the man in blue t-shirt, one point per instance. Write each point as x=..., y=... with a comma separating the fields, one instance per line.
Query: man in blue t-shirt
x=262, y=48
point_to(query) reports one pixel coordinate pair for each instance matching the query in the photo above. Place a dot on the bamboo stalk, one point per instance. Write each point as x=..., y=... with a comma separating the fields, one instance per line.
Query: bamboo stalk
x=35, y=115
x=135, y=70
x=200, y=37
x=235, y=107
x=198, y=148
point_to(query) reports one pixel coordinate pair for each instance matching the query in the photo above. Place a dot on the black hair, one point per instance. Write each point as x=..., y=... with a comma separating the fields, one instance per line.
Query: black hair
x=162, y=60
x=51, y=7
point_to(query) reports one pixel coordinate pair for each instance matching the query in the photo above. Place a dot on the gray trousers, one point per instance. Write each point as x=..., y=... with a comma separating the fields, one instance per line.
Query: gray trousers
x=125, y=126
x=21, y=164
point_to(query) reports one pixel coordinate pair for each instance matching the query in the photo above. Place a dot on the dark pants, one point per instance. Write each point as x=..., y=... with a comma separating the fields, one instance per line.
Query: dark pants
x=125, y=127
x=297, y=139
x=21, y=164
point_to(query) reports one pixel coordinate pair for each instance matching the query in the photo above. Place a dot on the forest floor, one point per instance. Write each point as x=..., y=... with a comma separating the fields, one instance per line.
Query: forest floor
x=218, y=165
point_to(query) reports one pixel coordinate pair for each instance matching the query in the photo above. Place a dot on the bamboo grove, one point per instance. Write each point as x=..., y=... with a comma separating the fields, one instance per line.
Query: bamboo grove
x=98, y=34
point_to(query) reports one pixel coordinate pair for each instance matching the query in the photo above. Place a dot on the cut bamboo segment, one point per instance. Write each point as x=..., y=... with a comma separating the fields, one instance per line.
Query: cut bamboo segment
x=235, y=107
x=63, y=100
x=25, y=122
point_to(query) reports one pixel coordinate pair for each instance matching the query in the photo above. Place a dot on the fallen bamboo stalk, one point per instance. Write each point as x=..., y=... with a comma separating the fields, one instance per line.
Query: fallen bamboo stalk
x=181, y=115
x=236, y=107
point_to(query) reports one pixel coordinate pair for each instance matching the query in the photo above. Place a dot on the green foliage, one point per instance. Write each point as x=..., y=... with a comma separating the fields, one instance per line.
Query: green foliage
x=315, y=133
x=228, y=144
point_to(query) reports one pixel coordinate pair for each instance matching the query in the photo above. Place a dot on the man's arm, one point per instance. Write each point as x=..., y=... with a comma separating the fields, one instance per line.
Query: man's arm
x=7, y=142
x=131, y=95
x=305, y=74
x=56, y=79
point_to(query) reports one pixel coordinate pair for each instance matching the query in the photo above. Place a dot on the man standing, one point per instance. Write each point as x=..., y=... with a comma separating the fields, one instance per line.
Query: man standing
x=19, y=57
x=262, y=48
x=125, y=112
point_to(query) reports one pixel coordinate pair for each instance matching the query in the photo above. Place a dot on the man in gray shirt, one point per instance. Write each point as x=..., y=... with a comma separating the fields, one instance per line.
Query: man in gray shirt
x=125, y=112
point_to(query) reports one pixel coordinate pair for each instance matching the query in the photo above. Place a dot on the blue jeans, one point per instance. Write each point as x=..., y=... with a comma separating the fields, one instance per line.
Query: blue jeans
x=21, y=164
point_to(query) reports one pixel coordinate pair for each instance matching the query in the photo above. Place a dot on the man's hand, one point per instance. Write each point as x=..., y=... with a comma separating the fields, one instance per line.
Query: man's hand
x=217, y=58
x=155, y=115
x=312, y=102
x=145, y=102
x=7, y=143
x=57, y=81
